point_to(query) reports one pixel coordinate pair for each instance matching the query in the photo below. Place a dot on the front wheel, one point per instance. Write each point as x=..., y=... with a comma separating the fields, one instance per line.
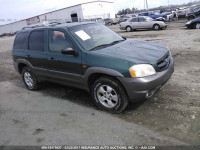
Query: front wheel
x=156, y=27
x=109, y=95
x=196, y=26
x=29, y=79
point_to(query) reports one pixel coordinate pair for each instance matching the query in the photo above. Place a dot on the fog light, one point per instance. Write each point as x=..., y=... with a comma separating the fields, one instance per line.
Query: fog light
x=147, y=95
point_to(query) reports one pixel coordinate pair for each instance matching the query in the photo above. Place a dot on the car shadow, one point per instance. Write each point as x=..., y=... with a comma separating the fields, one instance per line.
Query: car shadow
x=77, y=96
x=74, y=95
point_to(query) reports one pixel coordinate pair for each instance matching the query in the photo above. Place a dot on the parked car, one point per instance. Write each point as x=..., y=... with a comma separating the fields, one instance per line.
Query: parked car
x=99, y=20
x=142, y=23
x=92, y=57
x=2, y=35
x=124, y=18
x=152, y=15
x=169, y=16
x=109, y=21
x=193, y=24
x=194, y=14
x=182, y=15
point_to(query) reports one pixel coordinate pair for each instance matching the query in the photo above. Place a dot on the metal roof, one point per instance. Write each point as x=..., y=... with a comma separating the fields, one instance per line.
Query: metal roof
x=59, y=10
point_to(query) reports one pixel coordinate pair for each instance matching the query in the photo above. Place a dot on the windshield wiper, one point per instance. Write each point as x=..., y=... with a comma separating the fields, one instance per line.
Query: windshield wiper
x=115, y=42
x=104, y=45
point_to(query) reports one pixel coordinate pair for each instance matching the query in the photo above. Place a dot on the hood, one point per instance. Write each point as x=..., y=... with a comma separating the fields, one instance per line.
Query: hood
x=197, y=19
x=136, y=51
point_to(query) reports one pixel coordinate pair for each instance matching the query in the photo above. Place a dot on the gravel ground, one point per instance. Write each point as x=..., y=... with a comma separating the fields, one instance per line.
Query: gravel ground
x=173, y=112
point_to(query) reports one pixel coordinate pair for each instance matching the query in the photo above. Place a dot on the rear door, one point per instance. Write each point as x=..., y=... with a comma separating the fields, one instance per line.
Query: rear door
x=144, y=24
x=135, y=23
x=35, y=52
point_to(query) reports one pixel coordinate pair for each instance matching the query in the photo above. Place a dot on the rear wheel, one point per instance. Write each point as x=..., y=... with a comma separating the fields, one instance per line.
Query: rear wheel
x=156, y=27
x=29, y=79
x=128, y=29
x=196, y=25
x=109, y=95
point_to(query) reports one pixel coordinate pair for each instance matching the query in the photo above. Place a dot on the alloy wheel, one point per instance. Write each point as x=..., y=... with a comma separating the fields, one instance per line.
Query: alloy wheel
x=107, y=96
x=28, y=79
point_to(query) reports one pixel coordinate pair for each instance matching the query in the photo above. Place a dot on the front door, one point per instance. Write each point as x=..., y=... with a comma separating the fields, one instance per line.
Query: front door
x=63, y=67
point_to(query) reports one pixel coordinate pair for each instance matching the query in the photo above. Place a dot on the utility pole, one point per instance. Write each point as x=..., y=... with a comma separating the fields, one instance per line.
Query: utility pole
x=147, y=5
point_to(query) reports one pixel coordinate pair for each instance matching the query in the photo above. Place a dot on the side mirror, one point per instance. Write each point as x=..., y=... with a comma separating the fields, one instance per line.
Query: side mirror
x=69, y=51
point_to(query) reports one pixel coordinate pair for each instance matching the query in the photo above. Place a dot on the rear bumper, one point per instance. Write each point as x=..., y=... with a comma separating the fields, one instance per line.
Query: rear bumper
x=142, y=88
x=122, y=28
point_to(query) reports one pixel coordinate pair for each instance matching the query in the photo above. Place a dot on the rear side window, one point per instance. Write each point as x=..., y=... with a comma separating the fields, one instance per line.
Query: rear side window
x=36, y=41
x=142, y=19
x=20, y=40
x=134, y=20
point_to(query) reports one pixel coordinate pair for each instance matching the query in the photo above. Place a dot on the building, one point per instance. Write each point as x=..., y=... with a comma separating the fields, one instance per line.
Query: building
x=90, y=10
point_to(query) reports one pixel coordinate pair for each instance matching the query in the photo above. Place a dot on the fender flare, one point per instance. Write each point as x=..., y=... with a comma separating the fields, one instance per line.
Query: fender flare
x=23, y=61
x=101, y=70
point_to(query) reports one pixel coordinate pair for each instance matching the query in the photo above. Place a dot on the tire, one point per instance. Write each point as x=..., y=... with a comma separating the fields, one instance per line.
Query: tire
x=29, y=79
x=190, y=18
x=109, y=95
x=196, y=25
x=156, y=27
x=128, y=29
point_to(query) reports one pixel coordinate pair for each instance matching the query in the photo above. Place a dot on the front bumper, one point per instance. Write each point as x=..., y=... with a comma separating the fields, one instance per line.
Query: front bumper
x=142, y=88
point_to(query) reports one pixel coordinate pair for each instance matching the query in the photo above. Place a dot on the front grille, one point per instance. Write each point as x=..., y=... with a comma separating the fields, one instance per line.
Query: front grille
x=164, y=62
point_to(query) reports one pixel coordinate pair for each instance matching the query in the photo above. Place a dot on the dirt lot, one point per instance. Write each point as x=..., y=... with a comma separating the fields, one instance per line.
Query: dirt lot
x=173, y=112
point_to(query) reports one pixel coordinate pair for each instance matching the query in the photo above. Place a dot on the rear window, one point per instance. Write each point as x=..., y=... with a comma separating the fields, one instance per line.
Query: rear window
x=36, y=41
x=20, y=40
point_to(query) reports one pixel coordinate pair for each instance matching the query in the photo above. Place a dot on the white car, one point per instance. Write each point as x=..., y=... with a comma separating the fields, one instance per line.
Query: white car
x=142, y=23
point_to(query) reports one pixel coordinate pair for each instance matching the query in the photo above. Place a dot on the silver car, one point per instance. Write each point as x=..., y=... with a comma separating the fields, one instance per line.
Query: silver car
x=142, y=23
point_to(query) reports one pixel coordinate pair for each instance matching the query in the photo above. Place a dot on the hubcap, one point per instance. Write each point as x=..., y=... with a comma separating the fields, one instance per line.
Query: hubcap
x=156, y=27
x=28, y=79
x=107, y=96
x=198, y=26
x=128, y=29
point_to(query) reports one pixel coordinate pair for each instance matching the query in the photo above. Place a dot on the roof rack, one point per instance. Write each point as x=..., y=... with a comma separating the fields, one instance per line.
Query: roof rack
x=49, y=24
x=33, y=26
x=54, y=23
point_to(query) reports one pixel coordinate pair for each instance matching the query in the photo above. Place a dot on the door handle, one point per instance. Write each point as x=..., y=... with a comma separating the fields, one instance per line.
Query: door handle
x=52, y=58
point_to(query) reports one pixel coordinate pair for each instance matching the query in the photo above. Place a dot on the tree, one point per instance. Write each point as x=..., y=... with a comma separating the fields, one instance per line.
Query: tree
x=128, y=11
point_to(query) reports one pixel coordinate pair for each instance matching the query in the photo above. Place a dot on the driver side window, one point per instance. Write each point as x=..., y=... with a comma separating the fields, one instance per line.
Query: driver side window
x=58, y=41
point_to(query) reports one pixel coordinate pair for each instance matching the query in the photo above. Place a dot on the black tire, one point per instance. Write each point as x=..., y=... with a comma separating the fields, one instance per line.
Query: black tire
x=191, y=18
x=129, y=29
x=194, y=26
x=35, y=84
x=117, y=91
x=156, y=27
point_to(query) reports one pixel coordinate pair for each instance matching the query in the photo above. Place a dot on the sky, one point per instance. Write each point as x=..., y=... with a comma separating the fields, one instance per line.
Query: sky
x=14, y=10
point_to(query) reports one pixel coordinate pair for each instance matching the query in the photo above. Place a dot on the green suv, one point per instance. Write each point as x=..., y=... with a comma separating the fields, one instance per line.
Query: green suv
x=90, y=56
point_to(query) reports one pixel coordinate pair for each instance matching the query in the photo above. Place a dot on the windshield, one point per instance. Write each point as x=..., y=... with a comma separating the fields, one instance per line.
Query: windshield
x=94, y=35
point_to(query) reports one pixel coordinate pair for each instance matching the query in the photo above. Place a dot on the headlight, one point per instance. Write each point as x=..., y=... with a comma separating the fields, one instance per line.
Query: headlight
x=142, y=70
x=188, y=22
